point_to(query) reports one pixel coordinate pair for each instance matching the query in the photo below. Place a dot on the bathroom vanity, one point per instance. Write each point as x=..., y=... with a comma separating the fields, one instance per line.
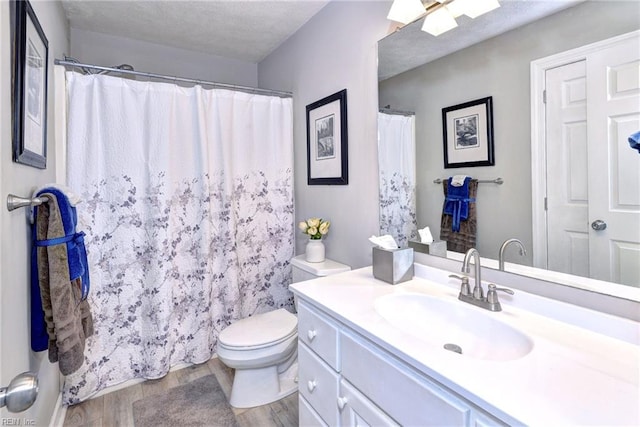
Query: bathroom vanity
x=374, y=354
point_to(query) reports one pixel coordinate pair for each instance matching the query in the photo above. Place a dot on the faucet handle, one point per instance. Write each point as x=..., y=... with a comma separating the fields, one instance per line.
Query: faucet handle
x=492, y=295
x=464, y=287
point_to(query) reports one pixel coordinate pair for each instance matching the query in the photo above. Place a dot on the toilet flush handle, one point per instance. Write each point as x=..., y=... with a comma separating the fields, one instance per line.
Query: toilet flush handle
x=311, y=334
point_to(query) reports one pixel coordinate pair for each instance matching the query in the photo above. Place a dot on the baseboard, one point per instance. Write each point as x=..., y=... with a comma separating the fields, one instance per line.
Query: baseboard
x=59, y=413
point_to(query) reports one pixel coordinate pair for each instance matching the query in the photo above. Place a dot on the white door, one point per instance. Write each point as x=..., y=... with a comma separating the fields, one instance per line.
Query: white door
x=593, y=218
x=614, y=187
x=567, y=184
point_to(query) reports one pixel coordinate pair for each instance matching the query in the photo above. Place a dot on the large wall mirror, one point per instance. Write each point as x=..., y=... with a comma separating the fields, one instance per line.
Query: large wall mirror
x=499, y=66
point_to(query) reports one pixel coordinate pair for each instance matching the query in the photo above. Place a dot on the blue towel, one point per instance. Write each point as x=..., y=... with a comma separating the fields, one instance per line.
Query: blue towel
x=77, y=260
x=457, y=202
x=634, y=141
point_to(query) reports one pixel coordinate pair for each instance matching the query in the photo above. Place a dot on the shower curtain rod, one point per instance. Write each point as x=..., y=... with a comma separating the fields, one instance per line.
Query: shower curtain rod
x=248, y=89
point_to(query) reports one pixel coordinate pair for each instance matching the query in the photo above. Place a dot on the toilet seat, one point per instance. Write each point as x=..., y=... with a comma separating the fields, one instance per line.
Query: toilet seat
x=259, y=331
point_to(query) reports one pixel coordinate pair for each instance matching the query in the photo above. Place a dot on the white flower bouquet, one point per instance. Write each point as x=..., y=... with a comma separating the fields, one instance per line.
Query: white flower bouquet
x=314, y=227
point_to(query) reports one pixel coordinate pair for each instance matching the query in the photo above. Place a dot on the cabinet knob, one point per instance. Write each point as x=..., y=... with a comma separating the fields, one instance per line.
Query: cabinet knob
x=311, y=385
x=311, y=334
x=342, y=402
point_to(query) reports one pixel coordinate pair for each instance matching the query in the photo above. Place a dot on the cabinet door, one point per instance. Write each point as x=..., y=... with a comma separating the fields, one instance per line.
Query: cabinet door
x=358, y=411
x=307, y=417
x=409, y=398
x=482, y=419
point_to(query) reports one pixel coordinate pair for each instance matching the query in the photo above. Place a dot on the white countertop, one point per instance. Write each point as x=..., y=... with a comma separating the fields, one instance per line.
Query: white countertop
x=572, y=376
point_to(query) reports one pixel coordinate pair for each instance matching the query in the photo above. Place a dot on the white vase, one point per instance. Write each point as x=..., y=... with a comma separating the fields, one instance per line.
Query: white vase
x=314, y=251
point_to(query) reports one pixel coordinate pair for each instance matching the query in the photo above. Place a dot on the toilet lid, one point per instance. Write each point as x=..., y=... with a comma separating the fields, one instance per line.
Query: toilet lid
x=260, y=330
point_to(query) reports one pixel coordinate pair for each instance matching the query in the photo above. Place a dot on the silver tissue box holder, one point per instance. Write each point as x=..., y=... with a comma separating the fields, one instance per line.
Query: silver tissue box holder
x=393, y=265
x=437, y=247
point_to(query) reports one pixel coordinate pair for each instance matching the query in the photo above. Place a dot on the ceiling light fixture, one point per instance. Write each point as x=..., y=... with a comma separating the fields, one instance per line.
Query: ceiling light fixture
x=440, y=14
x=439, y=21
x=406, y=11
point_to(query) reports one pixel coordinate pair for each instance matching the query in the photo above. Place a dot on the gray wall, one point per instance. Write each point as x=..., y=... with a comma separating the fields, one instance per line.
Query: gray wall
x=15, y=351
x=498, y=67
x=336, y=49
x=106, y=50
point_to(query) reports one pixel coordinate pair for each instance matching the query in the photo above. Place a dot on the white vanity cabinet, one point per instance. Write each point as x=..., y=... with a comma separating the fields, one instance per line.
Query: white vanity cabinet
x=345, y=380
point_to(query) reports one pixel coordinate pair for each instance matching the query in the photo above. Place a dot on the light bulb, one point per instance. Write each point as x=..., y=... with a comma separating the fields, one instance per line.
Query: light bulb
x=439, y=21
x=406, y=11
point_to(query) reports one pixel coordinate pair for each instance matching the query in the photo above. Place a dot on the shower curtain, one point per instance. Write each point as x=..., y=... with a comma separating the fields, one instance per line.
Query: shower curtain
x=397, y=175
x=188, y=209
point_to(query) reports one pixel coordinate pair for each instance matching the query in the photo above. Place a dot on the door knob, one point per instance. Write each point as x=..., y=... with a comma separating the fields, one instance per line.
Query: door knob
x=598, y=225
x=21, y=392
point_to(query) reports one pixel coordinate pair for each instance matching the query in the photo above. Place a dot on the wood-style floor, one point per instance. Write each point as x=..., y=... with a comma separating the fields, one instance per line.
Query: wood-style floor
x=116, y=409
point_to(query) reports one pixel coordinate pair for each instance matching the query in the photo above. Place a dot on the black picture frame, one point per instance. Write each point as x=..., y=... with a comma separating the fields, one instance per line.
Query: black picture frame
x=467, y=131
x=327, y=141
x=31, y=59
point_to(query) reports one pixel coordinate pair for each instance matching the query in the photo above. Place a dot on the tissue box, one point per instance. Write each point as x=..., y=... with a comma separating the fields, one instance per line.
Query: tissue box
x=437, y=247
x=393, y=265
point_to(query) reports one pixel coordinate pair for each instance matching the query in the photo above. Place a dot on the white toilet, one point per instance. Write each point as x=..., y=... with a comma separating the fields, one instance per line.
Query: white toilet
x=263, y=349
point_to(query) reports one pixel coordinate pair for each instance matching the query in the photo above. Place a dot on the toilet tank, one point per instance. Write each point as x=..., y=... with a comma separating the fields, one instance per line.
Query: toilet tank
x=303, y=270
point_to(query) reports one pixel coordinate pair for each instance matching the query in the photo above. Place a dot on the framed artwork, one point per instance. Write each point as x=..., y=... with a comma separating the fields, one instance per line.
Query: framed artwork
x=468, y=134
x=327, y=151
x=29, y=89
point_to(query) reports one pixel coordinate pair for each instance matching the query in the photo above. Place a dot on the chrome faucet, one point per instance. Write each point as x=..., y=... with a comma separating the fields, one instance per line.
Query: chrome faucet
x=506, y=243
x=478, y=292
x=477, y=297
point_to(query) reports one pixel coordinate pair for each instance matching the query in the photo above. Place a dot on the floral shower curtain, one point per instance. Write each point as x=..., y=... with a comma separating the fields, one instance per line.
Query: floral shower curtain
x=397, y=174
x=188, y=209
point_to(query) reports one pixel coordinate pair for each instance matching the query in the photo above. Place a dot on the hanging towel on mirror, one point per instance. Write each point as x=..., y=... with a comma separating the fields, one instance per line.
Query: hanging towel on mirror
x=634, y=141
x=59, y=283
x=465, y=238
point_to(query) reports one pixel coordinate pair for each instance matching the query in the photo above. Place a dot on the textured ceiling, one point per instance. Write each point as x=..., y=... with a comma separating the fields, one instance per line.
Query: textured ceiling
x=411, y=47
x=238, y=29
x=249, y=30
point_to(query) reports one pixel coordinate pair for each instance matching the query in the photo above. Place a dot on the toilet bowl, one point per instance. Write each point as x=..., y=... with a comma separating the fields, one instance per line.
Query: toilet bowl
x=263, y=349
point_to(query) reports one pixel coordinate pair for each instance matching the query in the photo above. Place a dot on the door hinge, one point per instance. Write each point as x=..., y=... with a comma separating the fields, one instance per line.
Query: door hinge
x=544, y=96
x=545, y=203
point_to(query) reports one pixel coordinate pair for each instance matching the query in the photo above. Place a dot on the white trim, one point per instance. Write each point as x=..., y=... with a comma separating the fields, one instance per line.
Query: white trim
x=538, y=130
x=59, y=413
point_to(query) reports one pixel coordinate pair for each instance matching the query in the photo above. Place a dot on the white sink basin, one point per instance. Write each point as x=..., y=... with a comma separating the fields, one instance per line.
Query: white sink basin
x=454, y=323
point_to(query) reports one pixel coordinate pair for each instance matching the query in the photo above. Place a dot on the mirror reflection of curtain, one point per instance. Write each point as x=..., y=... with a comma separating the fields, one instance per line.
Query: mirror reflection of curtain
x=397, y=175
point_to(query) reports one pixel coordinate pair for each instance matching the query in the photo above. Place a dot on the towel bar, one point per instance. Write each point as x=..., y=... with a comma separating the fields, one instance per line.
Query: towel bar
x=498, y=181
x=15, y=202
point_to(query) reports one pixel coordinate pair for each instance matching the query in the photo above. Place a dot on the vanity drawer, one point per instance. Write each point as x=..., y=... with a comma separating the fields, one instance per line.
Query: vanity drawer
x=379, y=376
x=319, y=333
x=318, y=384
